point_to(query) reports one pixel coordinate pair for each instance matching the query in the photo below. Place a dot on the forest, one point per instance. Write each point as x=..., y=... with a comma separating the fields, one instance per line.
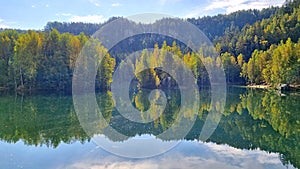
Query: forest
x=255, y=47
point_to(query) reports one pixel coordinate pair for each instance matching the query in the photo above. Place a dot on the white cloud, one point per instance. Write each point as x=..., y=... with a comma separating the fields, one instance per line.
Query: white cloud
x=88, y=18
x=238, y=154
x=196, y=12
x=95, y=2
x=235, y=5
x=191, y=162
x=3, y=24
x=195, y=156
x=115, y=4
x=33, y=6
x=47, y=5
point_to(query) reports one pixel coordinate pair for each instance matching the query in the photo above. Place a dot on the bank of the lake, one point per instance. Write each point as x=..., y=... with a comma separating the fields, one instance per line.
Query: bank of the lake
x=295, y=87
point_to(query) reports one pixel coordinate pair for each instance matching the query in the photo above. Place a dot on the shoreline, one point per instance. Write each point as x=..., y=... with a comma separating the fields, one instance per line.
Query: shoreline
x=258, y=86
x=269, y=87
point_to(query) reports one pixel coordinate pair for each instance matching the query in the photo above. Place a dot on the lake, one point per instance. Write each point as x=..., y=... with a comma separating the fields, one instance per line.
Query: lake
x=258, y=129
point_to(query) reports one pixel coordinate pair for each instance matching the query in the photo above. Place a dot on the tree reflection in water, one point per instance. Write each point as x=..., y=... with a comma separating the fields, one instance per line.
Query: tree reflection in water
x=253, y=119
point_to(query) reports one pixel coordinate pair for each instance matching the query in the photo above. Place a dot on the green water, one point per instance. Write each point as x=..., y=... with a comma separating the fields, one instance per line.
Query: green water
x=258, y=129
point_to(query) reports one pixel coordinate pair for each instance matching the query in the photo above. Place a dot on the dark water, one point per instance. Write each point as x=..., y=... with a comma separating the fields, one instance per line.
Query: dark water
x=258, y=129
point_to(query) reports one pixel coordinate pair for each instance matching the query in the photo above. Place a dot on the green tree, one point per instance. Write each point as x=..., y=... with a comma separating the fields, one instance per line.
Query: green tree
x=26, y=59
x=7, y=43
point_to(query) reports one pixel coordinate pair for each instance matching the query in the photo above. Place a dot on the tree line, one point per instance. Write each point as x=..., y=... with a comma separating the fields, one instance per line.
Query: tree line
x=279, y=64
x=43, y=60
x=240, y=36
x=46, y=61
x=270, y=47
x=265, y=52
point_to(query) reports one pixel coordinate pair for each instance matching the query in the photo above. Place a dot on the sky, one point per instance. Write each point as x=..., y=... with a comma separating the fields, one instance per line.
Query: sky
x=34, y=14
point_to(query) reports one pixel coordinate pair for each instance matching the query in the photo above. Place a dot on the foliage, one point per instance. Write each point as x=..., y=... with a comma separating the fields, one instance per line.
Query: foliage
x=46, y=60
x=279, y=64
x=257, y=47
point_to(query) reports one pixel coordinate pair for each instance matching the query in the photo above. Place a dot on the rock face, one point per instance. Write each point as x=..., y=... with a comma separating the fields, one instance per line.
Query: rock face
x=283, y=87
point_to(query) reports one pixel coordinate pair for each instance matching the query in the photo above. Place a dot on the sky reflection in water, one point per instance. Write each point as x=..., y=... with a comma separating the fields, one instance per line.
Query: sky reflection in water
x=188, y=154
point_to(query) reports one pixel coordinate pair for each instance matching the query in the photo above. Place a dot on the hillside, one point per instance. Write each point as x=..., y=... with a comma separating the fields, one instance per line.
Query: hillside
x=255, y=47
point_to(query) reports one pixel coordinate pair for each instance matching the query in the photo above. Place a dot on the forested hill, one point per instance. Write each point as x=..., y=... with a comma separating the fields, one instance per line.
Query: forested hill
x=267, y=39
x=76, y=28
x=270, y=47
x=262, y=34
x=255, y=47
x=216, y=26
x=212, y=26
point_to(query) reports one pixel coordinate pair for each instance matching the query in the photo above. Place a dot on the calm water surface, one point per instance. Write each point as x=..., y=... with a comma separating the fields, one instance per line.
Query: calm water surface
x=258, y=129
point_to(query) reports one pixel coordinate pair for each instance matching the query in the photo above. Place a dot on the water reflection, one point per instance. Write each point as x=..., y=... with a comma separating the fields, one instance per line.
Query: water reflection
x=192, y=155
x=253, y=120
x=39, y=120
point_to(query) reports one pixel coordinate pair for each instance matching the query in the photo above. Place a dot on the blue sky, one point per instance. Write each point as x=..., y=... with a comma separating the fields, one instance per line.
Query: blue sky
x=34, y=14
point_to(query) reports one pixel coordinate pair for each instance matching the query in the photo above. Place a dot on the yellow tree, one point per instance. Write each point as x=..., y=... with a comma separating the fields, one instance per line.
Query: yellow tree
x=26, y=58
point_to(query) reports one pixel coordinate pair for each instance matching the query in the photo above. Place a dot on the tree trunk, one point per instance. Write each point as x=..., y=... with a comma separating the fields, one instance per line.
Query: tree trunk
x=21, y=78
